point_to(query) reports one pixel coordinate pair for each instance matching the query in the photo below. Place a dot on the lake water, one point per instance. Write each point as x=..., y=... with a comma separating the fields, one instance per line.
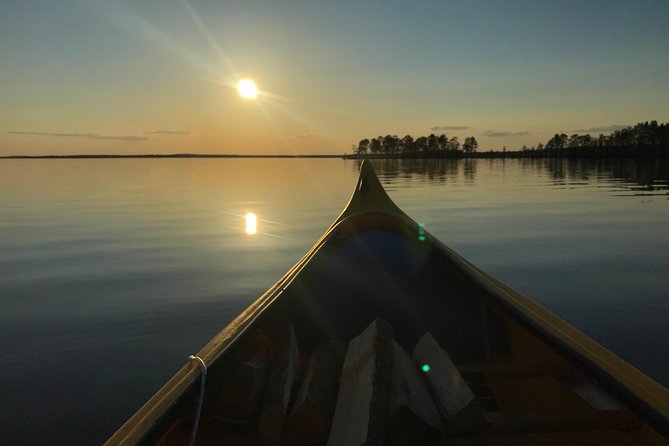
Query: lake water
x=112, y=272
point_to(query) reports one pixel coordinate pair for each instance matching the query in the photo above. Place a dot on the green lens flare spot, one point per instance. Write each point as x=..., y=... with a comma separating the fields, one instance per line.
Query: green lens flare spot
x=421, y=232
x=425, y=368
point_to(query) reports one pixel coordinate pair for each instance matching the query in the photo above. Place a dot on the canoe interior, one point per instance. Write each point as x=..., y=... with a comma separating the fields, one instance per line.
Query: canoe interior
x=378, y=266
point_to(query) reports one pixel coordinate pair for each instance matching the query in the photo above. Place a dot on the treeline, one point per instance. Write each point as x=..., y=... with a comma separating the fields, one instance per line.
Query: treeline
x=645, y=138
x=423, y=146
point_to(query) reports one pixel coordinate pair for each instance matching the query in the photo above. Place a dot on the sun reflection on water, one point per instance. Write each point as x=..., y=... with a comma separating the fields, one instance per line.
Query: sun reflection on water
x=251, y=223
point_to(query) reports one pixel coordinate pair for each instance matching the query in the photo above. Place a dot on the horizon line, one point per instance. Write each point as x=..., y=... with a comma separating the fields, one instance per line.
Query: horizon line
x=172, y=155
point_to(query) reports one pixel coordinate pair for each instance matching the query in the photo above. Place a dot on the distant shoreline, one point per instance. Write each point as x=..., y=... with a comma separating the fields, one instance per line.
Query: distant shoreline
x=173, y=155
x=517, y=154
x=571, y=153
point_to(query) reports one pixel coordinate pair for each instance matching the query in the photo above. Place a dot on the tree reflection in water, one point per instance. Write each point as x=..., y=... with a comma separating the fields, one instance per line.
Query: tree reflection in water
x=639, y=176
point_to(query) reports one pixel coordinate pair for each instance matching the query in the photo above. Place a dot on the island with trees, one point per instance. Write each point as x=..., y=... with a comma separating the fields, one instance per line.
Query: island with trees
x=645, y=139
x=431, y=146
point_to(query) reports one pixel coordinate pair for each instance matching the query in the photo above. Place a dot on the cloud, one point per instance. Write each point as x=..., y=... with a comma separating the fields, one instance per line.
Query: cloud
x=448, y=127
x=496, y=134
x=83, y=135
x=167, y=132
x=607, y=128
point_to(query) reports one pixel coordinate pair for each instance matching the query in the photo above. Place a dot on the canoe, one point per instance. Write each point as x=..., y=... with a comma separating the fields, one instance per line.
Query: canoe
x=381, y=334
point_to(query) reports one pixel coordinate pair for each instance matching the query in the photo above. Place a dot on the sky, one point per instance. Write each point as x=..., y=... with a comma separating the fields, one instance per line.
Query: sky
x=159, y=76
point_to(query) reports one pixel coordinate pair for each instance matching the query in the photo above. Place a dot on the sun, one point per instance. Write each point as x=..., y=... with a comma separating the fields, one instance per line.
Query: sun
x=247, y=89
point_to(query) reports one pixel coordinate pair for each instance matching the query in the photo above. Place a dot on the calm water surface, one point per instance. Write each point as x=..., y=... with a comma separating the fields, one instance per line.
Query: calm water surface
x=113, y=271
